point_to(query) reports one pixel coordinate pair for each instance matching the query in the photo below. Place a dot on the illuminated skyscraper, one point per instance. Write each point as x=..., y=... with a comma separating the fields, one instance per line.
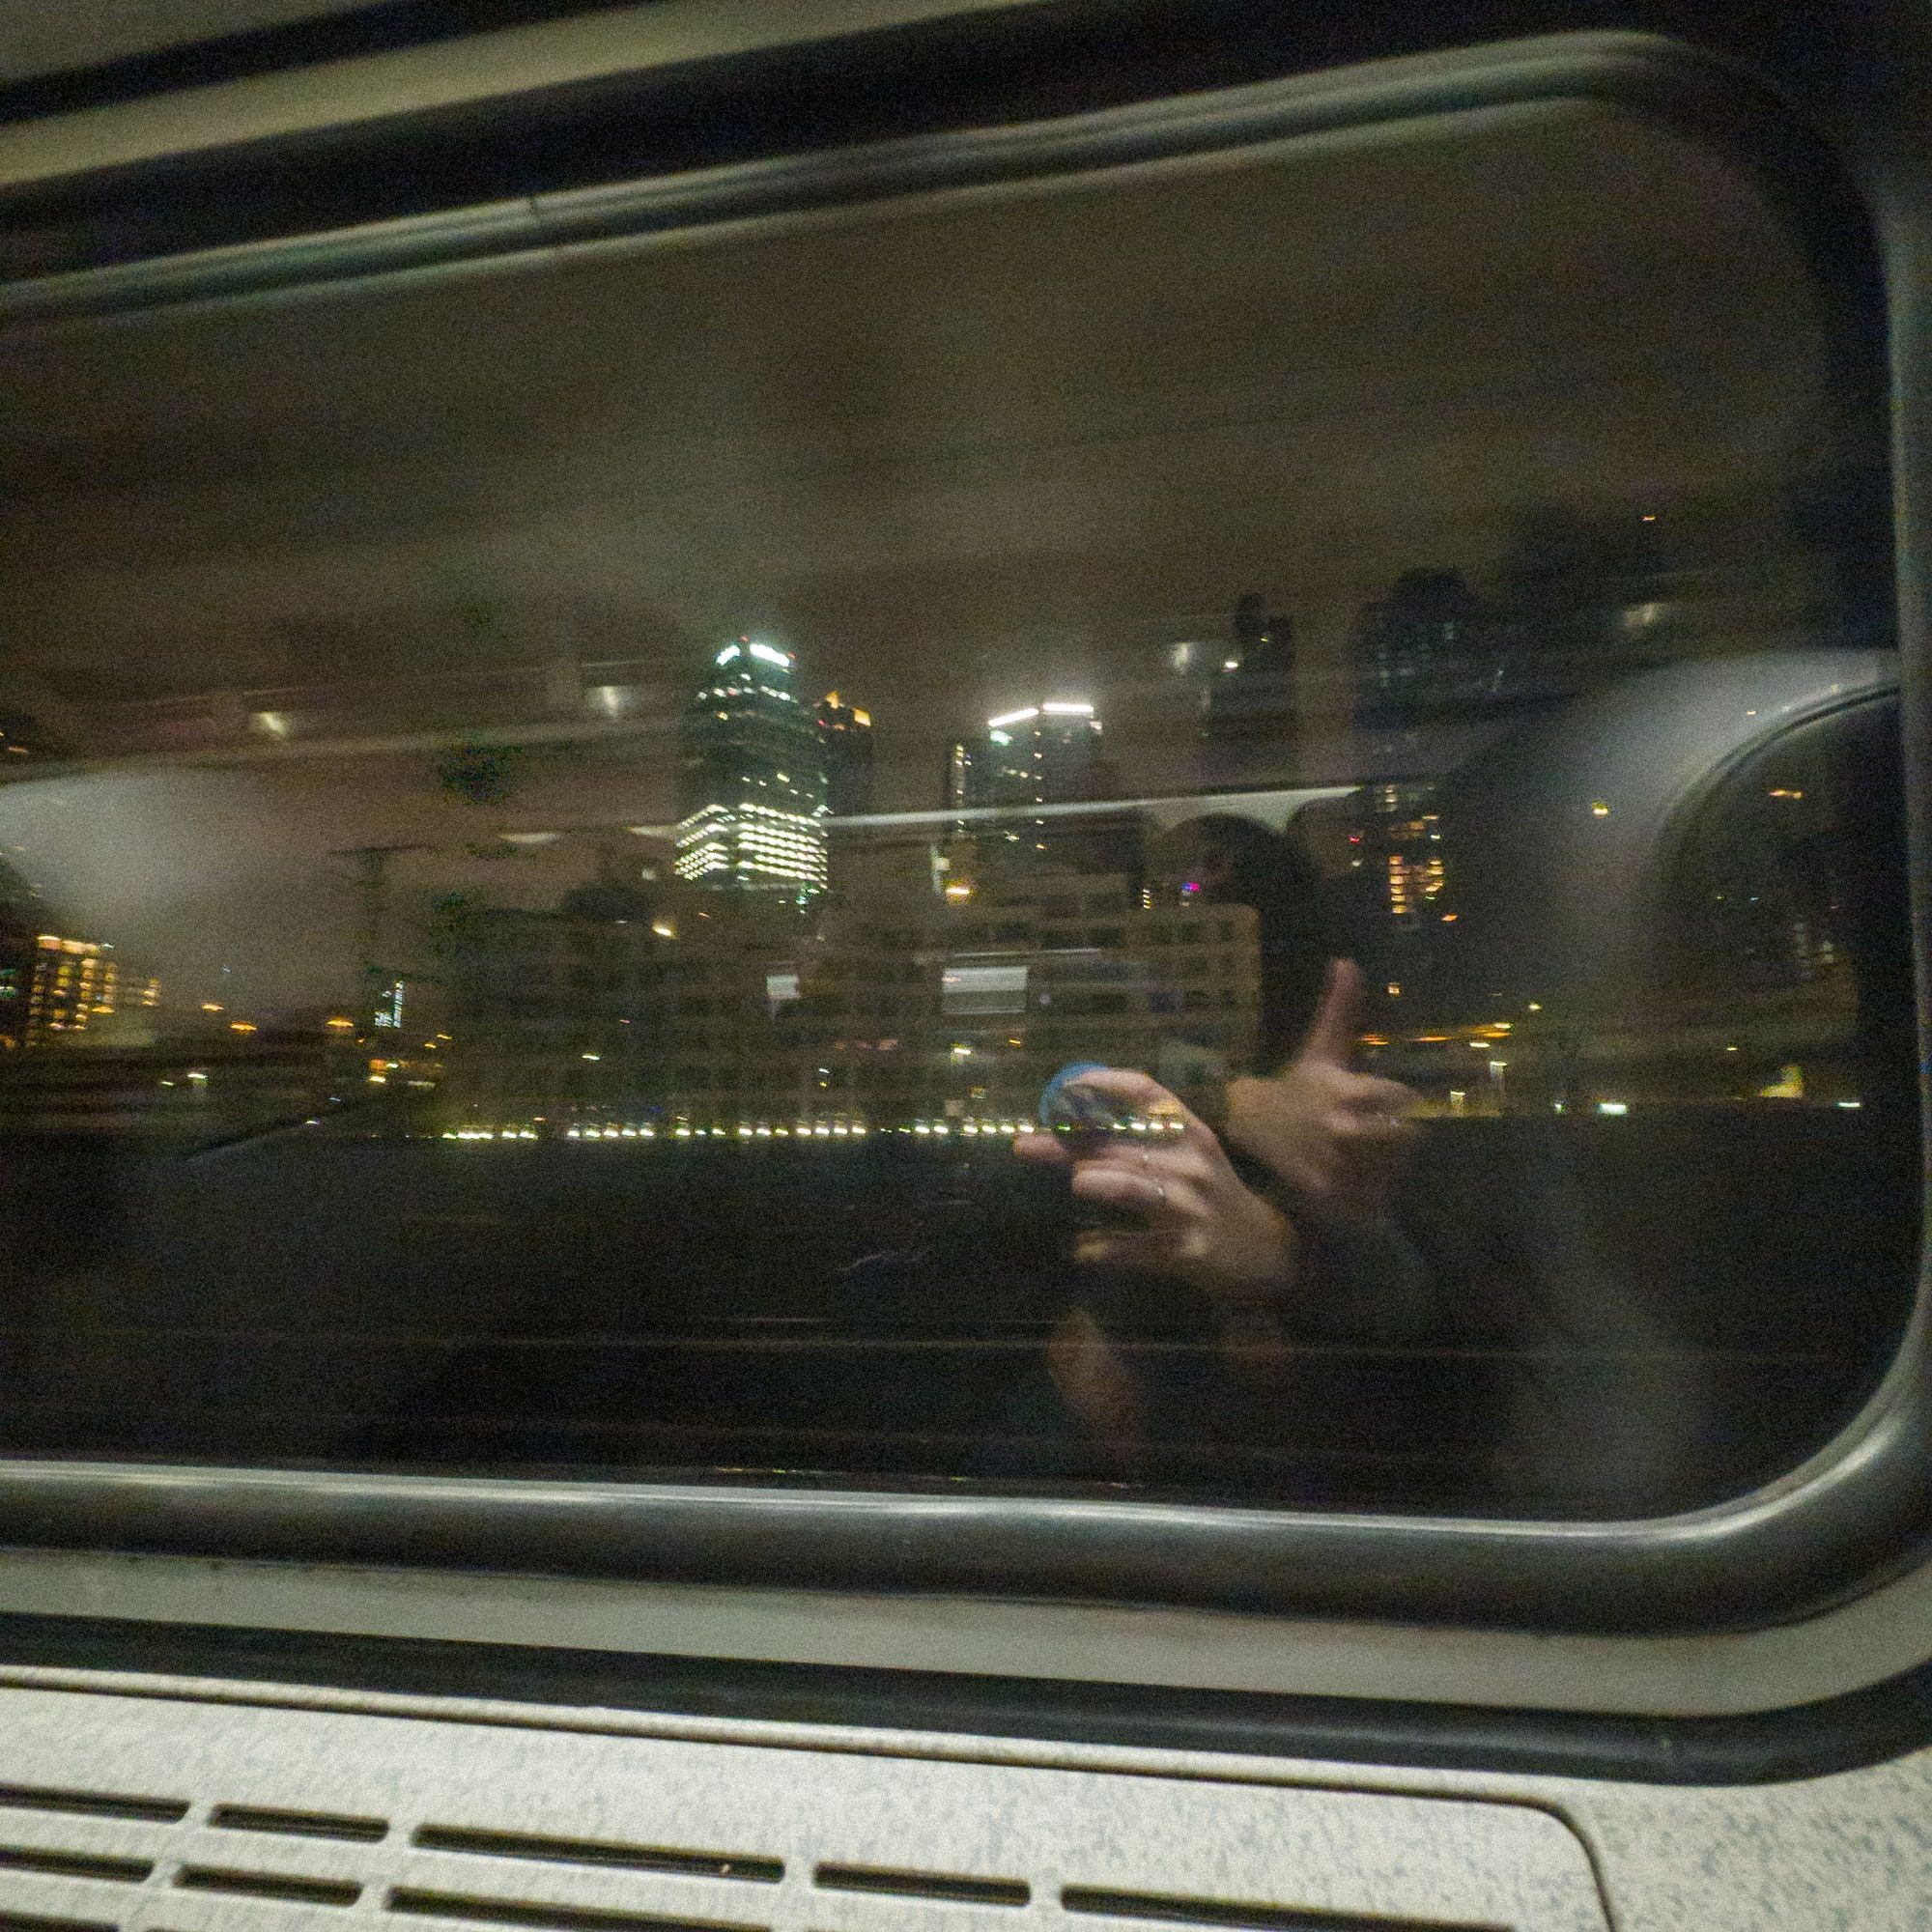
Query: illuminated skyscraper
x=1043, y=755
x=75, y=984
x=752, y=790
x=21, y=917
x=845, y=736
x=1046, y=754
x=1406, y=845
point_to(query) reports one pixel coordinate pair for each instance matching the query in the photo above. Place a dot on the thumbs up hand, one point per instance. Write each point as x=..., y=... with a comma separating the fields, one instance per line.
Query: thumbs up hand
x=1334, y=1137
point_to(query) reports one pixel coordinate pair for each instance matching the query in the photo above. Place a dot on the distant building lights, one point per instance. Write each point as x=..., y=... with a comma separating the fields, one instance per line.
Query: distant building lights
x=1614, y=1106
x=1007, y=717
x=590, y=1056
x=1067, y=710
x=765, y=654
x=730, y=654
x=1599, y=810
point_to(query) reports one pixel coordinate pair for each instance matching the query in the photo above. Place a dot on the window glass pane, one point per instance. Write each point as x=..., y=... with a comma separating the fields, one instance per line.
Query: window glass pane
x=563, y=826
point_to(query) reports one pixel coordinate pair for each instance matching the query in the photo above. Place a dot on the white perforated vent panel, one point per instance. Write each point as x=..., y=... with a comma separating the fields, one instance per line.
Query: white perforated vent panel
x=151, y=1814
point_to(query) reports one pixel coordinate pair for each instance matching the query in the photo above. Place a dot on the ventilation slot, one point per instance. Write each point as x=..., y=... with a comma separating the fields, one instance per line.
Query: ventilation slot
x=94, y=1803
x=27, y=1921
x=559, y=1918
x=269, y=1885
x=299, y=1824
x=589, y=1852
x=1231, y=1912
x=923, y=1885
x=75, y=1864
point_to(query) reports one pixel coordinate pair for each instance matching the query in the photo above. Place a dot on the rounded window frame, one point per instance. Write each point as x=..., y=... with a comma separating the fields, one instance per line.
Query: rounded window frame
x=1858, y=1511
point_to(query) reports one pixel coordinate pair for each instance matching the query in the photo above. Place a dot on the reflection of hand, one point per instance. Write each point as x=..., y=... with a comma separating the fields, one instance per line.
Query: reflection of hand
x=1334, y=1137
x=1197, y=1219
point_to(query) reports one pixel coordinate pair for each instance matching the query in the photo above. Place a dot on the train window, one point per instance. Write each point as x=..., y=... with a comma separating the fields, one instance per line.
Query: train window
x=1222, y=830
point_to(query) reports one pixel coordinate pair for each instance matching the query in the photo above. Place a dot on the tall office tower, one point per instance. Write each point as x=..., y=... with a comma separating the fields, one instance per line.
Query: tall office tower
x=845, y=739
x=1047, y=753
x=960, y=757
x=752, y=790
x=1406, y=849
x=1250, y=700
x=1043, y=755
x=1388, y=856
x=1428, y=648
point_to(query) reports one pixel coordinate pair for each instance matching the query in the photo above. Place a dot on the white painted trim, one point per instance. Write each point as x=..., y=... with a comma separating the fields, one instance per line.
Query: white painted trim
x=1857, y=1644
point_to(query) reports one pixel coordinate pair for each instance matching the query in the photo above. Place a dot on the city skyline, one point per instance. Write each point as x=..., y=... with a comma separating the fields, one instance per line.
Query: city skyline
x=177, y=827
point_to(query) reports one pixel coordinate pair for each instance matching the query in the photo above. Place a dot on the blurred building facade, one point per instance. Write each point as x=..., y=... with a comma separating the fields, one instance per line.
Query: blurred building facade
x=1249, y=704
x=899, y=1007
x=846, y=741
x=1050, y=753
